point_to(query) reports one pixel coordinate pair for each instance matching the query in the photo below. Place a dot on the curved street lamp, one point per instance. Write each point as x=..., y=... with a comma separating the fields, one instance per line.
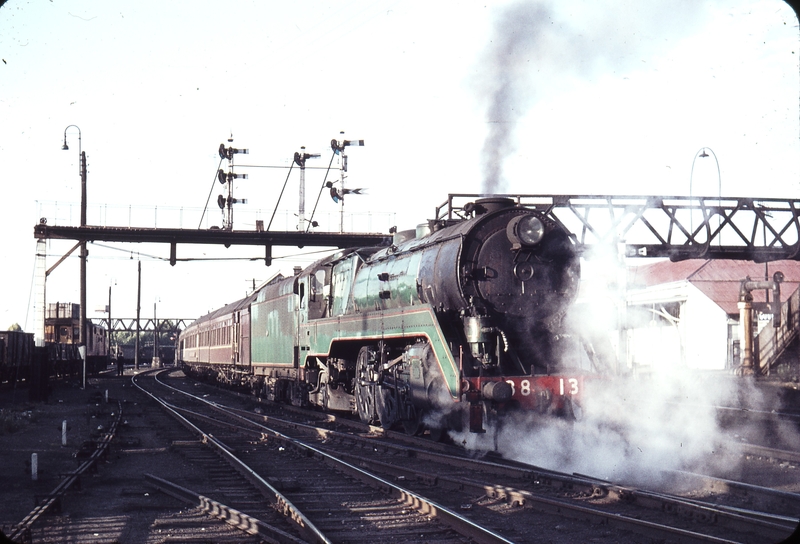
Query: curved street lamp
x=702, y=154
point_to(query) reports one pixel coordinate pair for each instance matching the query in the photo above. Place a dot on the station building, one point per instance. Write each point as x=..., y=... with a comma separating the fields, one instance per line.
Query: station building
x=687, y=314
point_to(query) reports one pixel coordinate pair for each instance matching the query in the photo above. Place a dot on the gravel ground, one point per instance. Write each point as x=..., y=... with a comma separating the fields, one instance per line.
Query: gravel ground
x=115, y=504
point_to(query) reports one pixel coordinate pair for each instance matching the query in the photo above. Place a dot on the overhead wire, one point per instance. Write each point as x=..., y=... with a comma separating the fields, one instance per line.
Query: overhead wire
x=30, y=292
x=188, y=259
x=205, y=208
x=289, y=173
x=276, y=166
x=327, y=171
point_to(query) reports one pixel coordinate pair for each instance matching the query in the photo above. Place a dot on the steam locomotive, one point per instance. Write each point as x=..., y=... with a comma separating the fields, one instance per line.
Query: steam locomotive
x=456, y=322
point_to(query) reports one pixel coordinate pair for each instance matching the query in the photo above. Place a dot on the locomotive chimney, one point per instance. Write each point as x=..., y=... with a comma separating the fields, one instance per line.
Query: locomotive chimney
x=492, y=204
x=297, y=270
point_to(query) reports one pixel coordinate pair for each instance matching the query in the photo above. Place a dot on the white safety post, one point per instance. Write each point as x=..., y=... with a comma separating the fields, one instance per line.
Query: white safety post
x=34, y=467
x=82, y=353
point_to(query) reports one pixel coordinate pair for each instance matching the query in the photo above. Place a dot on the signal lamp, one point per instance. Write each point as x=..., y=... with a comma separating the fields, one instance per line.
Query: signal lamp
x=226, y=177
x=228, y=153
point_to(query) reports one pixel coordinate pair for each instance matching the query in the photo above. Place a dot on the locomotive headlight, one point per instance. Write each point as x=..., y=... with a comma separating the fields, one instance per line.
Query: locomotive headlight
x=525, y=230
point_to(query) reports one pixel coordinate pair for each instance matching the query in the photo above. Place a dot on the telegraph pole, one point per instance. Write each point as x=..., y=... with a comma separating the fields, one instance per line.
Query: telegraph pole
x=138, y=313
x=300, y=159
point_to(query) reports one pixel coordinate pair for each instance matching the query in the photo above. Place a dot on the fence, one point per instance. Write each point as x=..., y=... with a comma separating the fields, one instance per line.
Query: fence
x=244, y=218
x=771, y=341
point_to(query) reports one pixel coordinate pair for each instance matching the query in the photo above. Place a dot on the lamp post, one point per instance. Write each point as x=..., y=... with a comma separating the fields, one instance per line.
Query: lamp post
x=156, y=359
x=82, y=172
x=138, y=315
x=111, y=350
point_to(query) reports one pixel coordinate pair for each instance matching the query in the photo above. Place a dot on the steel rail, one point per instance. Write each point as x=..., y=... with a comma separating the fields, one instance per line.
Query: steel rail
x=790, y=500
x=423, y=505
x=281, y=502
x=240, y=520
x=522, y=497
x=771, y=453
x=736, y=519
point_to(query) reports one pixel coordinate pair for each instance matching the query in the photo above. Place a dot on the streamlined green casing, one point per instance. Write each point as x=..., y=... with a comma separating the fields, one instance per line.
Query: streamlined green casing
x=275, y=331
x=368, y=328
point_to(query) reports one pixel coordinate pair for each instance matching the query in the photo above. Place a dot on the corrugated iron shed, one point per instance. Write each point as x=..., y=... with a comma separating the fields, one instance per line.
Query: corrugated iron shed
x=718, y=279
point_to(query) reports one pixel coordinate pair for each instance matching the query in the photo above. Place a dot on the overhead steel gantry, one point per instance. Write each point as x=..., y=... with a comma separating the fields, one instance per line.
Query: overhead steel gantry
x=128, y=324
x=173, y=237
x=677, y=227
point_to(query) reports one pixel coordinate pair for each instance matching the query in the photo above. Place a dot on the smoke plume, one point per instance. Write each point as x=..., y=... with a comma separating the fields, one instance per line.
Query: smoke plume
x=541, y=48
x=508, y=82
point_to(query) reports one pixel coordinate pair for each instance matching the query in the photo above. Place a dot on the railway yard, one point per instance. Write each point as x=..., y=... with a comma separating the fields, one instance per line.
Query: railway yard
x=498, y=366
x=159, y=457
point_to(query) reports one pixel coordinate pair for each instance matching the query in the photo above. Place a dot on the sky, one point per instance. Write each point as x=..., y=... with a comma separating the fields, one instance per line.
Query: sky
x=567, y=97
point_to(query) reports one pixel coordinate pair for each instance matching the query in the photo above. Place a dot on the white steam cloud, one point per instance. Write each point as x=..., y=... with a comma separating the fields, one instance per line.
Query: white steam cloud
x=632, y=427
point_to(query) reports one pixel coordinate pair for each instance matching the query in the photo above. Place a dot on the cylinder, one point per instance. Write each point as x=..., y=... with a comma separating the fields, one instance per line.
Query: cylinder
x=476, y=329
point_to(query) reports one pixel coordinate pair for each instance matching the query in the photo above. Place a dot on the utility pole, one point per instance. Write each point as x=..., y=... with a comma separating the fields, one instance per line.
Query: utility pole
x=111, y=352
x=300, y=159
x=83, y=253
x=155, y=336
x=138, y=312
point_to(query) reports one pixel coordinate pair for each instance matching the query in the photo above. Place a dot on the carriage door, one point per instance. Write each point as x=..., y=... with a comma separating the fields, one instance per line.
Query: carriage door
x=244, y=339
x=303, y=293
x=234, y=339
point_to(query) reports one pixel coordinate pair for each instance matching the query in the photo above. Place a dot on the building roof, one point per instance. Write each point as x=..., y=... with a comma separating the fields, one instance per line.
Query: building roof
x=719, y=279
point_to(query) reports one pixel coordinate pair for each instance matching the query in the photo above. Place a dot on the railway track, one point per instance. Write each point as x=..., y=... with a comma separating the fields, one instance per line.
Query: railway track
x=325, y=499
x=105, y=499
x=227, y=496
x=485, y=488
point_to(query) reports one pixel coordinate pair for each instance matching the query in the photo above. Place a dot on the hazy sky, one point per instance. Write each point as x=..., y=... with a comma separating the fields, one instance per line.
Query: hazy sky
x=559, y=97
